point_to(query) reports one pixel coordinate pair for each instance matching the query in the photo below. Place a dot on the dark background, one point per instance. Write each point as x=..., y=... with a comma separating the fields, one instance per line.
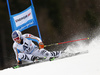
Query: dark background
x=59, y=20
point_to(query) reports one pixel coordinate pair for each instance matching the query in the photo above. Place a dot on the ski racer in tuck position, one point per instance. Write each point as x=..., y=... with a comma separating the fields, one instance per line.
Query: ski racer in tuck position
x=26, y=50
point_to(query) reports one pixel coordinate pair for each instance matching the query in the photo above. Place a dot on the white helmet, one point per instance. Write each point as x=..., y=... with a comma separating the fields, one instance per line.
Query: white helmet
x=16, y=34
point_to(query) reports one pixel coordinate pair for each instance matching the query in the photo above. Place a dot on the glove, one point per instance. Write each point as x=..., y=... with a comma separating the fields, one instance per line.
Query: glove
x=19, y=62
x=41, y=45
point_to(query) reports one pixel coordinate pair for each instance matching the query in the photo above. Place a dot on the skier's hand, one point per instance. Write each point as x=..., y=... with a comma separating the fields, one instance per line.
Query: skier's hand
x=41, y=45
x=19, y=62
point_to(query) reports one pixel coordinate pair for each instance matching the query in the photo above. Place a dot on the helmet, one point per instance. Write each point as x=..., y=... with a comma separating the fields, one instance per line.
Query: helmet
x=16, y=34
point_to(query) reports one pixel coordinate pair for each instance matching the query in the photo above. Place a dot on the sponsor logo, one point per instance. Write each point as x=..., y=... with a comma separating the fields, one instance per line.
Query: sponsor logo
x=24, y=17
x=27, y=25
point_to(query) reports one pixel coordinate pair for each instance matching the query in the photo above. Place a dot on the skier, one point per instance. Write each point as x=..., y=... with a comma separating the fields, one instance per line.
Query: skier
x=26, y=50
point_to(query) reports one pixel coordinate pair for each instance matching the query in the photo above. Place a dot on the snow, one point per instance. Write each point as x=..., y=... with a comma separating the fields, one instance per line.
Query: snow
x=84, y=64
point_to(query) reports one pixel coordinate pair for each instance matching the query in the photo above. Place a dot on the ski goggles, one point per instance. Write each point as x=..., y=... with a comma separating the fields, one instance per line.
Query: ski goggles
x=15, y=39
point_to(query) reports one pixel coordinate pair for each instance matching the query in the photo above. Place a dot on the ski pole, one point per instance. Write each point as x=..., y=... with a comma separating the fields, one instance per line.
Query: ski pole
x=66, y=42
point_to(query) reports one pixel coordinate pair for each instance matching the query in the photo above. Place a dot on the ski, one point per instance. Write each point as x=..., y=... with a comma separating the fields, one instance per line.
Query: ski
x=64, y=55
x=23, y=65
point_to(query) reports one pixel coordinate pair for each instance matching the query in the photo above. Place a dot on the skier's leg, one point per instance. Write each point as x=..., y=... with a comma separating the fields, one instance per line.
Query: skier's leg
x=50, y=54
x=26, y=57
x=45, y=53
x=42, y=53
x=56, y=53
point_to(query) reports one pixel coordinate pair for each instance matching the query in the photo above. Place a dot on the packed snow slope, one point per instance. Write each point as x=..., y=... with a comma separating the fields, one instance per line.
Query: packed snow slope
x=84, y=64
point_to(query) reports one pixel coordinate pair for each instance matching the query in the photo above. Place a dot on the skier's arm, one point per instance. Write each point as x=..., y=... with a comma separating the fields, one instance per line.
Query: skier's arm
x=34, y=38
x=16, y=53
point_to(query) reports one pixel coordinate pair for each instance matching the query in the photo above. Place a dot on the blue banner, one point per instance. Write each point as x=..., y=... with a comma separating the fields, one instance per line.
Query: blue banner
x=24, y=19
